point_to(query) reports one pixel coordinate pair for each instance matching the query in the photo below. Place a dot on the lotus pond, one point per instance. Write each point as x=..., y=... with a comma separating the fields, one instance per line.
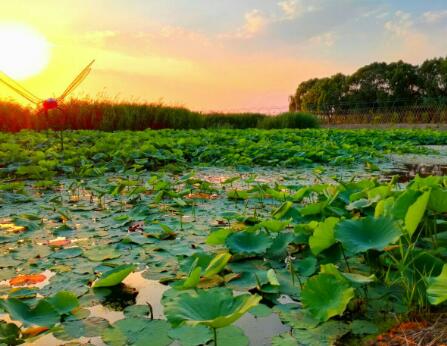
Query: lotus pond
x=221, y=237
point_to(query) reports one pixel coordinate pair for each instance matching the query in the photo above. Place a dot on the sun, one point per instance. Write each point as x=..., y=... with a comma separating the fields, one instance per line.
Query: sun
x=24, y=51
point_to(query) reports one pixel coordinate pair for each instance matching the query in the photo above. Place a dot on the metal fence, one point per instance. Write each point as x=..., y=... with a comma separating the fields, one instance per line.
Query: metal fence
x=417, y=114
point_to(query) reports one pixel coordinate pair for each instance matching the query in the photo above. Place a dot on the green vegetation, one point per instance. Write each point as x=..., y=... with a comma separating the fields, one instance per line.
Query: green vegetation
x=88, y=153
x=325, y=259
x=377, y=85
x=109, y=116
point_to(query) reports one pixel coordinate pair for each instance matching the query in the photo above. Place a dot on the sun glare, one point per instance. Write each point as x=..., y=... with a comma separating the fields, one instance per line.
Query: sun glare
x=24, y=51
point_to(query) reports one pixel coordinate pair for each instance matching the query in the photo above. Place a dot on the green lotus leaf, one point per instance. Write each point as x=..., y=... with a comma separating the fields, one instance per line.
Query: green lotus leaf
x=68, y=253
x=43, y=314
x=278, y=249
x=284, y=340
x=88, y=327
x=306, y=266
x=156, y=331
x=248, y=243
x=217, y=264
x=9, y=334
x=325, y=334
x=274, y=225
x=416, y=212
x=282, y=210
x=437, y=288
x=191, y=336
x=367, y=234
x=438, y=200
x=137, y=311
x=64, y=302
x=192, y=280
x=216, y=307
x=231, y=336
x=115, y=276
x=324, y=296
x=323, y=236
x=403, y=202
x=101, y=253
x=218, y=237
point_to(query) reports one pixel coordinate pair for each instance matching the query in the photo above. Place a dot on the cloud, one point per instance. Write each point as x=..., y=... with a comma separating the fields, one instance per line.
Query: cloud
x=294, y=8
x=254, y=23
x=326, y=39
x=400, y=25
x=434, y=16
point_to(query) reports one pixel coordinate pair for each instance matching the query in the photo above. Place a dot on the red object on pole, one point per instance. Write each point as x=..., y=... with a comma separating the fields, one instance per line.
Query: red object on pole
x=49, y=104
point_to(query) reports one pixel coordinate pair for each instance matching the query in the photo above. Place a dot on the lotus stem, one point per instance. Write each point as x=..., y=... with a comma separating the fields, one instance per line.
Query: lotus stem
x=344, y=257
x=151, y=311
x=215, y=336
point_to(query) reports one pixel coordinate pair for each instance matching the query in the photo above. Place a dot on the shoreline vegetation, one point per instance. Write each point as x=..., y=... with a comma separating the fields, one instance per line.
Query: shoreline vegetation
x=114, y=116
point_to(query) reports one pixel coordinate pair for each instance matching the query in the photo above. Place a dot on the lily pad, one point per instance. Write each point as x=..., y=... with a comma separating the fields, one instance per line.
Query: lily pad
x=101, y=253
x=191, y=336
x=64, y=302
x=231, y=336
x=248, y=243
x=43, y=314
x=115, y=276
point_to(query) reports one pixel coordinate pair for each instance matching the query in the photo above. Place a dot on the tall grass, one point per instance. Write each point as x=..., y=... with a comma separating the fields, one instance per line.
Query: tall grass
x=111, y=116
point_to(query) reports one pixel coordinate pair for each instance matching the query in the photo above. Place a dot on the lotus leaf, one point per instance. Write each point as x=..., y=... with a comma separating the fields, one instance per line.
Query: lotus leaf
x=437, y=288
x=324, y=296
x=216, y=307
x=366, y=234
x=248, y=243
x=114, y=276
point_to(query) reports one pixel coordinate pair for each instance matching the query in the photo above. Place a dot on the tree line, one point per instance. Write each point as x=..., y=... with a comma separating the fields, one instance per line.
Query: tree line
x=377, y=85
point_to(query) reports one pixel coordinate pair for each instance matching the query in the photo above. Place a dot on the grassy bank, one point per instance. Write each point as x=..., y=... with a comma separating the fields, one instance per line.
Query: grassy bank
x=108, y=116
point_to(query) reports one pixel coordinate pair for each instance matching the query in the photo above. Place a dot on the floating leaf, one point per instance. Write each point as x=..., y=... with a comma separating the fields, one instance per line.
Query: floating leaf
x=89, y=327
x=115, y=276
x=191, y=336
x=64, y=302
x=215, y=307
x=284, y=340
x=325, y=334
x=248, y=243
x=367, y=234
x=43, y=314
x=101, y=253
x=218, y=237
x=231, y=336
x=68, y=253
x=324, y=296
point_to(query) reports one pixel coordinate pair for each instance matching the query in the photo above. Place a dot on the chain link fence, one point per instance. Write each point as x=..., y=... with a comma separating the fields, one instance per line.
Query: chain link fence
x=417, y=114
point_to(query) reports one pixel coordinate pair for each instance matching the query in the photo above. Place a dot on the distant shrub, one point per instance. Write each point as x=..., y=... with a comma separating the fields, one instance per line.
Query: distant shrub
x=290, y=120
x=113, y=116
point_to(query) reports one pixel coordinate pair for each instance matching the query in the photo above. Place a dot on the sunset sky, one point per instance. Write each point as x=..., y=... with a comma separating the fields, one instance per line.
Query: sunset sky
x=220, y=54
